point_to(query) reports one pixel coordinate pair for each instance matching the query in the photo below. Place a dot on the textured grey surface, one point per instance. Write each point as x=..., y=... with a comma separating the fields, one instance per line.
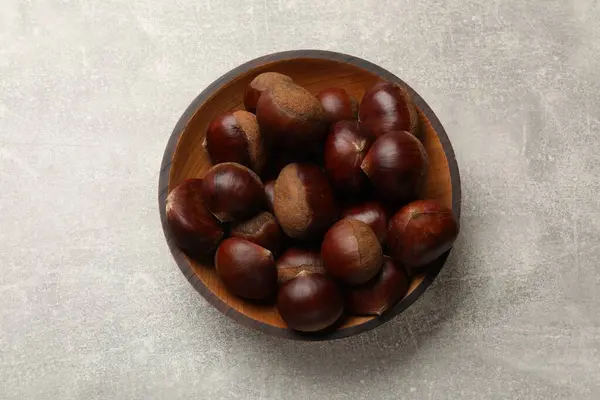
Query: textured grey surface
x=93, y=307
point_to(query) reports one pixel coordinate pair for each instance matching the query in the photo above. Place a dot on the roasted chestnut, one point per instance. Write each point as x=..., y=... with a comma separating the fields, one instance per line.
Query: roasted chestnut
x=304, y=203
x=232, y=192
x=345, y=150
x=246, y=269
x=420, y=232
x=351, y=252
x=310, y=302
x=262, y=229
x=388, y=107
x=396, y=164
x=338, y=104
x=379, y=294
x=259, y=85
x=195, y=230
x=295, y=260
x=371, y=213
x=290, y=117
x=235, y=137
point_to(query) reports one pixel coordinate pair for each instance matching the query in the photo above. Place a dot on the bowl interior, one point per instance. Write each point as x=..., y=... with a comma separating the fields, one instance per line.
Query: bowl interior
x=190, y=160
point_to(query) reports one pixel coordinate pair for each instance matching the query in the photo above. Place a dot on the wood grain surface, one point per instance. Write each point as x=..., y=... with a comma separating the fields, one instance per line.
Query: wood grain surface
x=185, y=158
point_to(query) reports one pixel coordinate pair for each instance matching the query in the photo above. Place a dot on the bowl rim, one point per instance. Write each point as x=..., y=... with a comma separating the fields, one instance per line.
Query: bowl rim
x=188, y=270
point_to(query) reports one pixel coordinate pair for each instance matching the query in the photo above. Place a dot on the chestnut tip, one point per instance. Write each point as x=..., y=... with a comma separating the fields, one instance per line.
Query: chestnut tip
x=262, y=229
x=345, y=150
x=296, y=260
x=259, y=85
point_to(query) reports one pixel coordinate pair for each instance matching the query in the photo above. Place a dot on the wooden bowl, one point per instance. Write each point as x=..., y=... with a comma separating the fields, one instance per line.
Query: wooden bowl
x=186, y=158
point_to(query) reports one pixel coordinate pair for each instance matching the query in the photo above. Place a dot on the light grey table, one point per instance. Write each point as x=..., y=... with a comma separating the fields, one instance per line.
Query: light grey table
x=92, y=306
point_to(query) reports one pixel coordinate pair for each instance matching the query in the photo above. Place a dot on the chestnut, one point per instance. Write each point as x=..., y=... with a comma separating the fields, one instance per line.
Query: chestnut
x=351, y=252
x=345, y=150
x=262, y=229
x=296, y=260
x=270, y=194
x=246, y=269
x=235, y=137
x=195, y=230
x=304, y=203
x=259, y=85
x=232, y=192
x=396, y=164
x=290, y=117
x=310, y=302
x=420, y=232
x=371, y=213
x=388, y=107
x=338, y=104
x=380, y=293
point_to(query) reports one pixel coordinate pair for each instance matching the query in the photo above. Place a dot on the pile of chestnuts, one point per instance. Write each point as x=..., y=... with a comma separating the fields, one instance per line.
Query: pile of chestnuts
x=312, y=201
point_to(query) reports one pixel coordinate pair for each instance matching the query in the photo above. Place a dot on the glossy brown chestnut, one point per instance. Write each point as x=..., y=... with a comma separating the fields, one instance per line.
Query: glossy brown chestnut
x=310, y=302
x=195, y=229
x=351, y=252
x=338, y=104
x=259, y=85
x=388, y=107
x=246, y=269
x=262, y=229
x=371, y=213
x=290, y=117
x=235, y=137
x=304, y=202
x=345, y=150
x=380, y=293
x=232, y=192
x=420, y=232
x=295, y=260
x=270, y=195
x=396, y=164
